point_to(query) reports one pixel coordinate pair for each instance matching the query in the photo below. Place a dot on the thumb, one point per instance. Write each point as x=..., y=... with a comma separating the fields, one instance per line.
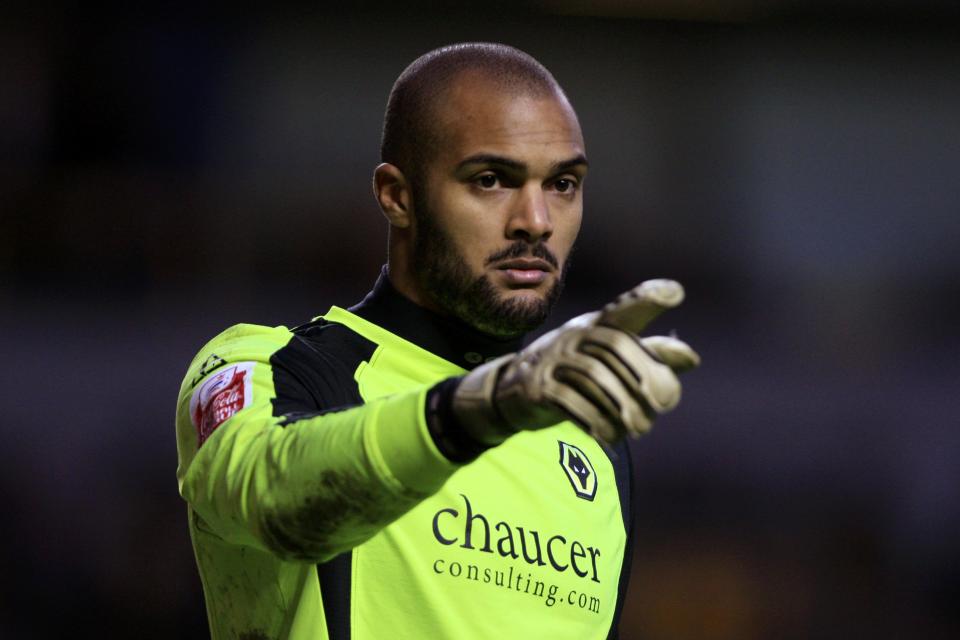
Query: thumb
x=634, y=310
x=672, y=352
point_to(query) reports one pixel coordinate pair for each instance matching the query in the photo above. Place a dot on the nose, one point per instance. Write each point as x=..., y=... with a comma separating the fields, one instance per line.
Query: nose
x=530, y=217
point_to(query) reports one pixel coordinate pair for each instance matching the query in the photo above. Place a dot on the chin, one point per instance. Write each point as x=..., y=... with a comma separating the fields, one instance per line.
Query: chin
x=532, y=295
x=503, y=309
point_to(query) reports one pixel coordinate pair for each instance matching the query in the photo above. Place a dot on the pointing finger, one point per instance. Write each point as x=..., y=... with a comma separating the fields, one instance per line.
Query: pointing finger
x=634, y=310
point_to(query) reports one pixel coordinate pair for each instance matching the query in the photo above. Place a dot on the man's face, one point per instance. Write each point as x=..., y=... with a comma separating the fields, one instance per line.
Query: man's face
x=499, y=207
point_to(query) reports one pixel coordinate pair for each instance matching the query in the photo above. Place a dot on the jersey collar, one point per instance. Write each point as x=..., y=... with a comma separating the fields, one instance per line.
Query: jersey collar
x=446, y=337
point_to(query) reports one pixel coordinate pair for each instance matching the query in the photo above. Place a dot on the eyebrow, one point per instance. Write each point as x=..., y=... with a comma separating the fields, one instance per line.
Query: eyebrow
x=510, y=163
x=578, y=160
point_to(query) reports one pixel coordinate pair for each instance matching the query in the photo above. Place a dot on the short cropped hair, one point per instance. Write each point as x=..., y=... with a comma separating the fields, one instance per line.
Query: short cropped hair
x=410, y=137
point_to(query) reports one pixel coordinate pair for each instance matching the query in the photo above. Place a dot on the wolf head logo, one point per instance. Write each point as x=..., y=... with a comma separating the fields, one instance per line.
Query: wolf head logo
x=575, y=464
x=579, y=471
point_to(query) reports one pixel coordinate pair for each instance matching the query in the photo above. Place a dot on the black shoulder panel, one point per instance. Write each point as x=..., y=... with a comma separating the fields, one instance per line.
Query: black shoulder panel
x=313, y=374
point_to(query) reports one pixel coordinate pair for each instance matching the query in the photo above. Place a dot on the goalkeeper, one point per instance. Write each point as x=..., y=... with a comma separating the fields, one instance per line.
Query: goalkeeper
x=406, y=468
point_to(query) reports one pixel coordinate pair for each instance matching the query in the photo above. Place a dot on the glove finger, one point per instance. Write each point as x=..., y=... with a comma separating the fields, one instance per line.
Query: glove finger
x=586, y=403
x=633, y=310
x=636, y=411
x=650, y=381
x=672, y=352
x=589, y=389
x=617, y=398
x=660, y=386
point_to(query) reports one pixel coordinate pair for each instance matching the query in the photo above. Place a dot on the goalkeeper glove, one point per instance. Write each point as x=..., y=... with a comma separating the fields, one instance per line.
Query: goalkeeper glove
x=593, y=370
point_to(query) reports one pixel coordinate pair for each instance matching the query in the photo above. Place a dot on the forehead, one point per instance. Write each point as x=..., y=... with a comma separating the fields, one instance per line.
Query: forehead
x=477, y=116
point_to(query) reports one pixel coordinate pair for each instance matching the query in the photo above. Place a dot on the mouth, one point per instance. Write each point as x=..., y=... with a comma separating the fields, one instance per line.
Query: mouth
x=525, y=271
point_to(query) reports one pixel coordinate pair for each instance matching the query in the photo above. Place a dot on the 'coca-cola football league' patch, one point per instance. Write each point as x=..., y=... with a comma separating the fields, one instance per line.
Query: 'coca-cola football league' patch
x=221, y=396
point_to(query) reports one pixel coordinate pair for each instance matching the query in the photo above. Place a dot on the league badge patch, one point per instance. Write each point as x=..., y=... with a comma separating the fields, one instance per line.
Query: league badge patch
x=579, y=470
x=220, y=397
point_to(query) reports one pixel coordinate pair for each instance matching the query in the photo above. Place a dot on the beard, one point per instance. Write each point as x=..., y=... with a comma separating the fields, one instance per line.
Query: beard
x=443, y=274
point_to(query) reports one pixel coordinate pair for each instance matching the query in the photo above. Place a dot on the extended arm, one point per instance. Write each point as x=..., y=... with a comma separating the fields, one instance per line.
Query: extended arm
x=306, y=486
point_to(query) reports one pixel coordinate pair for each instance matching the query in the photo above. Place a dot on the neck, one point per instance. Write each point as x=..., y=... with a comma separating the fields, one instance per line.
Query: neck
x=444, y=336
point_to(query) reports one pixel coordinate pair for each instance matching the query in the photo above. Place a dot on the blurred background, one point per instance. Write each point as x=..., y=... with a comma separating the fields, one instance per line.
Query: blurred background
x=168, y=171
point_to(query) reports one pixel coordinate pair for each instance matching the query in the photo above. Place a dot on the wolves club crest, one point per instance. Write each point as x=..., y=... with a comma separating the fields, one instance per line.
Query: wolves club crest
x=579, y=471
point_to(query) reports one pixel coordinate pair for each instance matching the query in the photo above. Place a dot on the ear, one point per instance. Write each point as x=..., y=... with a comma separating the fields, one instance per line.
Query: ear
x=392, y=190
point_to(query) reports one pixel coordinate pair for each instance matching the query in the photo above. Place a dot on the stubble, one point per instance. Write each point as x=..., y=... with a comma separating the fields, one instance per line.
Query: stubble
x=444, y=275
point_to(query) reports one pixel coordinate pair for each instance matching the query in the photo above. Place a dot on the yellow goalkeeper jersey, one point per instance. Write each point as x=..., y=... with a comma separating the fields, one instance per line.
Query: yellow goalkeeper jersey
x=320, y=507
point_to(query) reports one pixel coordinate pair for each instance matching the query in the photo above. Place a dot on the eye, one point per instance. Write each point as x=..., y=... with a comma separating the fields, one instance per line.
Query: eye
x=487, y=180
x=565, y=185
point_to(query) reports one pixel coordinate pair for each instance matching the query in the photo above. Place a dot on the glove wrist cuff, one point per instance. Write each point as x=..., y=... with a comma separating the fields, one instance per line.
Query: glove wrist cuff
x=474, y=403
x=444, y=427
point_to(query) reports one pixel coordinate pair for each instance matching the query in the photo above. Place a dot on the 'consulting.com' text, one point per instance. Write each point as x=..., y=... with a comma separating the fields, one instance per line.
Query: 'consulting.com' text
x=519, y=581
